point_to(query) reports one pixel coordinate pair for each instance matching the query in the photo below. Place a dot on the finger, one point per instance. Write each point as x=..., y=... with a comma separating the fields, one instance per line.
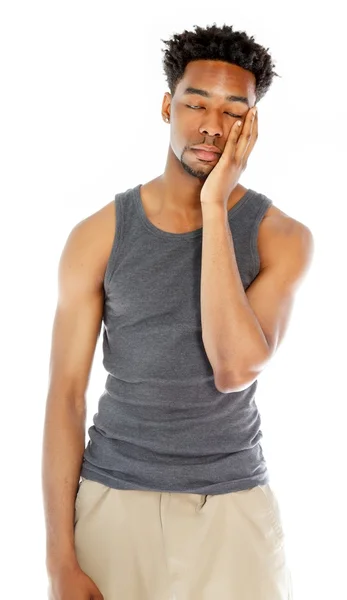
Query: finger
x=245, y=137
x=231, y=143
x=254, y=137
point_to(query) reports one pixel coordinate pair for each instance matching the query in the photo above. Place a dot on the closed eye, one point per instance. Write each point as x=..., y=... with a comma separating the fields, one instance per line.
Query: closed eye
x=228, y=113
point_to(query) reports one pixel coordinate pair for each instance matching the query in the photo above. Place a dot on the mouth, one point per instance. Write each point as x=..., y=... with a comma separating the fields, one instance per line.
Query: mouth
x=206, y=156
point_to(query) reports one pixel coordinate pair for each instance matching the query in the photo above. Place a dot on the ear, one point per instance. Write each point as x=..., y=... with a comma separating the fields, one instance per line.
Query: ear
x=166, y=104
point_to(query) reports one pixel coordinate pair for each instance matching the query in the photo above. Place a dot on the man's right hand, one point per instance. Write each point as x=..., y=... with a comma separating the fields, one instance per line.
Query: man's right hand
x=71, y=583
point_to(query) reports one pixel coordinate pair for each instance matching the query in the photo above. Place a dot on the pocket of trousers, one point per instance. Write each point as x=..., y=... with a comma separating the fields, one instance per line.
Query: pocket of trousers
x=78, y=499
x=88, y=494
x=273, y=511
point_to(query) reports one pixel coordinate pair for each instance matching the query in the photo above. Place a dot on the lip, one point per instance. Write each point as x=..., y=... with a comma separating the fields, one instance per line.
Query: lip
x=207, y=149
x=206, y=156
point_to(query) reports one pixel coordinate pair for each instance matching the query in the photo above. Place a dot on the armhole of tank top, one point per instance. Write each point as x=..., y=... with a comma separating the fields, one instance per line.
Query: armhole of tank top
x=264, y=205
x=111, y=263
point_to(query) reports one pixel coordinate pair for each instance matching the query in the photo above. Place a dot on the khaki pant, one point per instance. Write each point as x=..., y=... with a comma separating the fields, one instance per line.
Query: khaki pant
x=144, y=545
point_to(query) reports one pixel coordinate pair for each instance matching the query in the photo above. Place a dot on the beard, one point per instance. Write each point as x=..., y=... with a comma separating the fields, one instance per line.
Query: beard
x=201, y=175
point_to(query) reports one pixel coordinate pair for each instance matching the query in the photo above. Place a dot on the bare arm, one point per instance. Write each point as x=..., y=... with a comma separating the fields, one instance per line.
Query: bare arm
x=76, y=329
x=242, y=330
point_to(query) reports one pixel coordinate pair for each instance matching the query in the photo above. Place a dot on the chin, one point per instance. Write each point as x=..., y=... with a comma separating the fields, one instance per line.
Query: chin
x=201, y=175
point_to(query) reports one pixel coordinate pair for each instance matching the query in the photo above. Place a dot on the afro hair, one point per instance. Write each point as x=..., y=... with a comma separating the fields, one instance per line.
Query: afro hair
x=217, y=43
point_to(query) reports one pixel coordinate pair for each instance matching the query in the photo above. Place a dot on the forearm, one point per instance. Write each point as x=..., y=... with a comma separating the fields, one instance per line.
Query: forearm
x=232, y=336
x=63, y=448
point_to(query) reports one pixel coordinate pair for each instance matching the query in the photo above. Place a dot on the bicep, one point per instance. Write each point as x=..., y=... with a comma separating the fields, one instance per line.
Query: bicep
x=273, y=292
x=78, y=317
x=272, y=302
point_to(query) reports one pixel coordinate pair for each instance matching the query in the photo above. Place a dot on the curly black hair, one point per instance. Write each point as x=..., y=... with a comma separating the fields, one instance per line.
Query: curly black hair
x=218, y=43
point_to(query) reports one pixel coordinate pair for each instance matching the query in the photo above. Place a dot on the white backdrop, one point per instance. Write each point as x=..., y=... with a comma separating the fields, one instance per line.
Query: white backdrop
x=80, y=78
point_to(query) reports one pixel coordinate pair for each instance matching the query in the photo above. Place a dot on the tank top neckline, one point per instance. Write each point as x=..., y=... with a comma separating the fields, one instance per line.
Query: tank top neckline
x=188, y=234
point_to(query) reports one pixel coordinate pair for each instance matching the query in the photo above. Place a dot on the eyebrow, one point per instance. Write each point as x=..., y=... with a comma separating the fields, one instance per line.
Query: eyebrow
x=205, y=94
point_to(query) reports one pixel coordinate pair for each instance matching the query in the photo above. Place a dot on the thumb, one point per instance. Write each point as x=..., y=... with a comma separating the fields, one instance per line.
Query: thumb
x=96, y=594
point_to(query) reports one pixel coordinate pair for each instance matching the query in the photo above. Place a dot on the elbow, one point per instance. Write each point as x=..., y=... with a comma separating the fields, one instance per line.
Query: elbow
x=227, y=383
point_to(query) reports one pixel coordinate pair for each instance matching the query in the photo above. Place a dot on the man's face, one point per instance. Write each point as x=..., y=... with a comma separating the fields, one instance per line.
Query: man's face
x=200, y=120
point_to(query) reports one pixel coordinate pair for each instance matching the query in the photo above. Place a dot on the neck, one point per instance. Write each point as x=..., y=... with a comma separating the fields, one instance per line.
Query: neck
x=179, y=192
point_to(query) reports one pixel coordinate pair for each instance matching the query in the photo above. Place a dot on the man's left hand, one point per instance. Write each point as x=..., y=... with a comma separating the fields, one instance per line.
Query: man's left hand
x=233, y=161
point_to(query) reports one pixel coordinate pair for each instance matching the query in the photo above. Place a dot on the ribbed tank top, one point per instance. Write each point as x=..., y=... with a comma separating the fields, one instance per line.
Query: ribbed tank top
x=161, y=424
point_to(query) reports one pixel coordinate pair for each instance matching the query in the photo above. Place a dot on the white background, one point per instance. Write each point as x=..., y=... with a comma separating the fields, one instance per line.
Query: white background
x=80, y=78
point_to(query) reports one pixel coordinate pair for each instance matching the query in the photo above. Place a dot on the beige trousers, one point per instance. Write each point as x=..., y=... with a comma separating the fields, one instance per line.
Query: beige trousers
x=144, y=545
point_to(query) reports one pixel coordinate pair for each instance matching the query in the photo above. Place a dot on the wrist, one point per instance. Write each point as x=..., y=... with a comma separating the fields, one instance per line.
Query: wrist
x=55, y=565
x=214, y=210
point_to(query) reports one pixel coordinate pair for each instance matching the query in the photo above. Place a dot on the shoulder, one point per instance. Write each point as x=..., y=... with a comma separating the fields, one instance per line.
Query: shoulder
x=284, y=240
x=94, y=237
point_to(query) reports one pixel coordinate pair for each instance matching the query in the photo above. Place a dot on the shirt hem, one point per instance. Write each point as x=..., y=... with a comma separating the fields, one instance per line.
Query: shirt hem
x=213, y=489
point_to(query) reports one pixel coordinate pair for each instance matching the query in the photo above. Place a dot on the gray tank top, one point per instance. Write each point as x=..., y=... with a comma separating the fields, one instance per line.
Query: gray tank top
x=161, y=424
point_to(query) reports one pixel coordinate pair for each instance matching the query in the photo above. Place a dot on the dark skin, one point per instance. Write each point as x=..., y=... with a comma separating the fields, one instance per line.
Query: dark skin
x=172, y=202
x=192, y=193
x=178, y=189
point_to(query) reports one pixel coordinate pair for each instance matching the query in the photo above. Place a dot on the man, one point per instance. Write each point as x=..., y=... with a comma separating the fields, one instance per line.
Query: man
x=194, y=277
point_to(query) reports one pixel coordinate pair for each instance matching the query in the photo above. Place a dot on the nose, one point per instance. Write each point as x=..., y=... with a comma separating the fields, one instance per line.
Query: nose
x=211, y=126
